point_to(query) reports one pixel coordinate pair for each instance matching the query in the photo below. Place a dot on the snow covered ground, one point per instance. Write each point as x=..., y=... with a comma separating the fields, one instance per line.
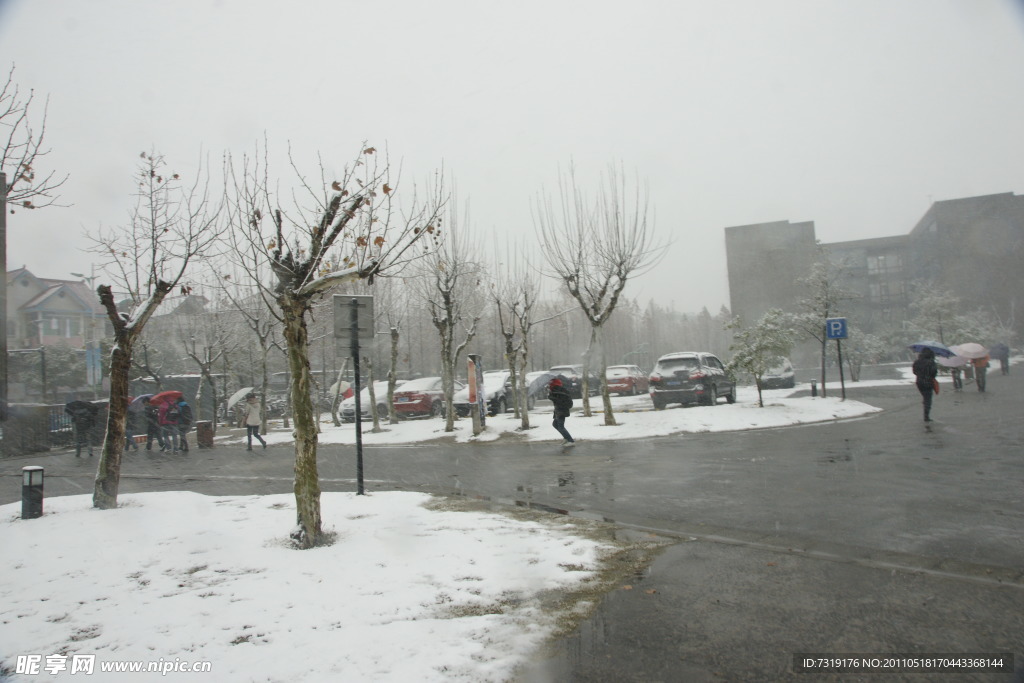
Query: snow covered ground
x=635, y=416
x=410, y=590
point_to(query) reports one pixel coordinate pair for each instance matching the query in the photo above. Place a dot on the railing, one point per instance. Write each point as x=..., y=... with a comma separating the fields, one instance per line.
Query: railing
x=33, y=428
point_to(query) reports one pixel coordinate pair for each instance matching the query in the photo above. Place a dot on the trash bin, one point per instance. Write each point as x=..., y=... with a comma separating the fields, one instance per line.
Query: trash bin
x=204, y=434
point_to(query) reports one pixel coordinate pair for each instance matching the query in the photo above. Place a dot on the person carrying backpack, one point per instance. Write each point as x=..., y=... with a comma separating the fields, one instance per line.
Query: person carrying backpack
x=184, y=424
x=562, y=402
x=168, y=416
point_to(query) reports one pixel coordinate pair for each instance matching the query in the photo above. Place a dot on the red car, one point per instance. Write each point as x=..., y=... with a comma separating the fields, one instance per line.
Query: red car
x=626, y=379
x=423, y=396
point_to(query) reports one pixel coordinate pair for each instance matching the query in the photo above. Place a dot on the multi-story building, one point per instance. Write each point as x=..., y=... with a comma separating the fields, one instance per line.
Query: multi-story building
x=972, y=247
x=46, y=312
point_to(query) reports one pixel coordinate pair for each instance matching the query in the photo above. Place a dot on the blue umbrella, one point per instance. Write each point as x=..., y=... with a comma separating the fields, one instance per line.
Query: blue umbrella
x=939, y=349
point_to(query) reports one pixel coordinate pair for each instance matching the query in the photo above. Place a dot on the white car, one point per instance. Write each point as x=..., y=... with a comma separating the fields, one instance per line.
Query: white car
x=497, y=394
x=781, y=376
x=347, y=410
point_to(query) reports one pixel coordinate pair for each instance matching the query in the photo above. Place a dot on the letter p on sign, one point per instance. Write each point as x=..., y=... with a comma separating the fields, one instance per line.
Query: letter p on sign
x=835, y=328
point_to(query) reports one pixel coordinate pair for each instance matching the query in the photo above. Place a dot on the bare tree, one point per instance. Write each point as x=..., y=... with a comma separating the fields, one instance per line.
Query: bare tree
x=450, y=280
x=825, y=297
x=594, y=246
x=343, y=227
x=173, y=223
x=514, y=293
x=23, y=147
x=207, y=336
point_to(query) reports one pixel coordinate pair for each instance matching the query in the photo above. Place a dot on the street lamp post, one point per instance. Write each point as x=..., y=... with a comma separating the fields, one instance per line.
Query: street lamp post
x=92, y=377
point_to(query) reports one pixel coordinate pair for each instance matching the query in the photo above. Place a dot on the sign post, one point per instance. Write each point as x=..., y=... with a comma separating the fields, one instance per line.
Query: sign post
x=477, y=398
x=353, y=323
x=835, y=328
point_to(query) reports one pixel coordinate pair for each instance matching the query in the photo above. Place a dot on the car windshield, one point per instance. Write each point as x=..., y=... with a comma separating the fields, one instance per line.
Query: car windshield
x=495, y=380
x=676, y=364
x=564, y=370
x=421, y=384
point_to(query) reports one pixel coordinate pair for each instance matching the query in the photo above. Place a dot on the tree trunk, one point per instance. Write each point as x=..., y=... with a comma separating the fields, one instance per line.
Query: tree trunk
x=108, y=473
x=373, y=397
x=525, y=399
x=606, y=397
x=585, y=384
x=392, y=377
x=307, y=480
x=448, y=381
x=510, y=358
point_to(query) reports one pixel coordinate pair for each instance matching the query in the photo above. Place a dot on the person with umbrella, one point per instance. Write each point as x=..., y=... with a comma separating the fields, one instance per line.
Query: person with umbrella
x=83, y=416
x=1001, y=352
x=925, y=371
x=253, y=419
x=980, y=371
x=153, y=430
x=184, y=423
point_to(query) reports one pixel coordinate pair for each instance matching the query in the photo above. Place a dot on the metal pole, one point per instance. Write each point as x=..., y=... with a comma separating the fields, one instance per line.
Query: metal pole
x=354, y=347
x=3, y=297
x=42, y=362
x=842, y=382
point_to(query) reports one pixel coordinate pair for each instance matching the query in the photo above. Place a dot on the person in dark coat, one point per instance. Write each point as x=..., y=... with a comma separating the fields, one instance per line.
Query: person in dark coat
x=184, y=424
x=925, y=371
x=1001, y=352
x=153, y=430
x=562, y=402
x=134, y=410
x=83, y=417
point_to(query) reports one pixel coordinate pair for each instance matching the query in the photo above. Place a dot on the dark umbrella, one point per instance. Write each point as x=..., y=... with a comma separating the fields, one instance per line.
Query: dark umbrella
x=80, y=407
x=939, y=349
x=166, y=396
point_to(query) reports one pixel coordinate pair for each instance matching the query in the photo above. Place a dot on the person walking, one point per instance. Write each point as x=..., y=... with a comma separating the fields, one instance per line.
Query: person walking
x=130, y=425
x=253, y=419
x=1001, y=352
x=184, y=424
x=83, y=417
x=562, y=402
x=958, y=383
x=153, y=430
x=980, y=371
x=167, y=416
x=925, y=371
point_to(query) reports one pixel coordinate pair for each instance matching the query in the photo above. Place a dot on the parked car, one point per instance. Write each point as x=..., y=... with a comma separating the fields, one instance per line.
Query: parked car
x=497, y=394
x=780, y=376
x=423, y=396
x=626, y=379
x=690, y=377
x=347, y=409
x=572, y=380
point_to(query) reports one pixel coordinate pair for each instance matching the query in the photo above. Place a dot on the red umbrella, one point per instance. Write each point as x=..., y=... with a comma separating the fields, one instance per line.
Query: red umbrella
x=166, y=396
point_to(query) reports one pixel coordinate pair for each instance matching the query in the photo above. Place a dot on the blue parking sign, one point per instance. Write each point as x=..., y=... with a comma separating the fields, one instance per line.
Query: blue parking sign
x=835, y=328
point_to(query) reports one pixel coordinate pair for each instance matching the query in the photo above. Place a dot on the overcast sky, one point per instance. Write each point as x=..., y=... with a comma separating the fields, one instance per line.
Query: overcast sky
x=854, y=114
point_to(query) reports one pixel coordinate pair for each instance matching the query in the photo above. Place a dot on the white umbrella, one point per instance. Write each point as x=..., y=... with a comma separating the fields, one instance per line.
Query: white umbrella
x=239, y=395
x=970, y=350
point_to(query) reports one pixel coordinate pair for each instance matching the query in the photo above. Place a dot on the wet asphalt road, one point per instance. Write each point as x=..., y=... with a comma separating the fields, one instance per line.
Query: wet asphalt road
x=876, y=535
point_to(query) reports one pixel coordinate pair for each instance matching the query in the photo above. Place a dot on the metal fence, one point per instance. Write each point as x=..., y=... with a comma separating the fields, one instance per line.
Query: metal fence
x=34, y=428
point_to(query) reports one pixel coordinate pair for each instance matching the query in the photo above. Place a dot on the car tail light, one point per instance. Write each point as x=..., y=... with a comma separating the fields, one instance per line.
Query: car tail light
x=655, y=378
x=698, y=375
